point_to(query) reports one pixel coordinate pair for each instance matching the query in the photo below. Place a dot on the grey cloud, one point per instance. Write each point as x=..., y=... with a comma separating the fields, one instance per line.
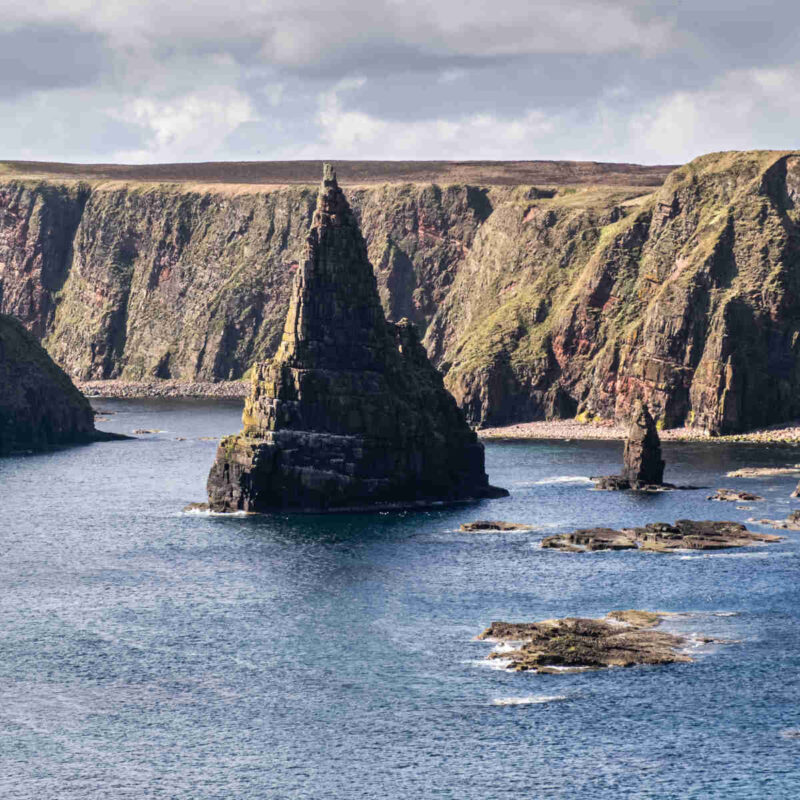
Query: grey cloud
x=36, y=57
x=580, y=63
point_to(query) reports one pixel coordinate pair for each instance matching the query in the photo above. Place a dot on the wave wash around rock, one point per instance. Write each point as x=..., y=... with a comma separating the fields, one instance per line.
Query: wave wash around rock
x=350, y=413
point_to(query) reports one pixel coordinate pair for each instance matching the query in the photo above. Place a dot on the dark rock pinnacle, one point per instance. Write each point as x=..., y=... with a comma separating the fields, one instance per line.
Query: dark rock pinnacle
x=349, y=413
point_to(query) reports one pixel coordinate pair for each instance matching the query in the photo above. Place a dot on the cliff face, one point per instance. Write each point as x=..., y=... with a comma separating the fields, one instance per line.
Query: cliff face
x=350, y=412
x=39, y=405
x=536, y=302
x=688, y=301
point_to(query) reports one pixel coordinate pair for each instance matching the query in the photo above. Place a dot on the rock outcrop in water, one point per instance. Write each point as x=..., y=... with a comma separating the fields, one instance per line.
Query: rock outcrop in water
x=660, y=537
x=536, y=301
x=350, y=413
x=622, y=639
x=642, y=465
x=39, y=405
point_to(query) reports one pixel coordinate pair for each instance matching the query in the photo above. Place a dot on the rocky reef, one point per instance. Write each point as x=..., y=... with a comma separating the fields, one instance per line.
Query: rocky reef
x=536, y=301
x=39, y=405
x=621, y=639
x=349, y=413
x=660, y=537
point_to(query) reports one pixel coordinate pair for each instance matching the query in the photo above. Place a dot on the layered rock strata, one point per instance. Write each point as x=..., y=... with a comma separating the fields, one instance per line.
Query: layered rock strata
x=536, y=301
x=660, y=537
x=621, y=639
x=39, y=405
x=350, y=413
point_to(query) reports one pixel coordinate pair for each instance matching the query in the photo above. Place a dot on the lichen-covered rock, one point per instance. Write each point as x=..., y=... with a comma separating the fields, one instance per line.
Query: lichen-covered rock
x=39, y=405
x=350, y=413
x=734, y=496
x=622, y=639
x=481, y=525
x=685, y=534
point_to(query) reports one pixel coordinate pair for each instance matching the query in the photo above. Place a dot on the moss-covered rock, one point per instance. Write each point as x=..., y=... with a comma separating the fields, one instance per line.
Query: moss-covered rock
x=39, y=405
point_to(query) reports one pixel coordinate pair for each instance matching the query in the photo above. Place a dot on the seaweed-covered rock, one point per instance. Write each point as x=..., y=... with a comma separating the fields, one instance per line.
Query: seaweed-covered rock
x=493, y=525
x=685, y=534
x=621, y=639
x=39, y=405
x=734, y=496
x=350, y=413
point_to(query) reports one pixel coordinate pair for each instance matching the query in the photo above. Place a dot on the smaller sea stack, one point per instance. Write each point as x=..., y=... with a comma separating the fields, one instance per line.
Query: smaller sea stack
x=350, y=413
x=642, y=462
x=642, y=465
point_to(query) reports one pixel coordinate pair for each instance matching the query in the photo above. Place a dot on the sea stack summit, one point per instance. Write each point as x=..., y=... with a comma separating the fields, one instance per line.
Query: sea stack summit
x=349, y=413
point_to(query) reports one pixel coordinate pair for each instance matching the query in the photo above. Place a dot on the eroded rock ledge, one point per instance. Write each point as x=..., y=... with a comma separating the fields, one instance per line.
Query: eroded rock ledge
x=621, y=639
x=660, y=537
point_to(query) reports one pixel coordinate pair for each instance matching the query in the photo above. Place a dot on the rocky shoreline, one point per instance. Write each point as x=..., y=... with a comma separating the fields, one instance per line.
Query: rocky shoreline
x=569, y=429
x=135, y=390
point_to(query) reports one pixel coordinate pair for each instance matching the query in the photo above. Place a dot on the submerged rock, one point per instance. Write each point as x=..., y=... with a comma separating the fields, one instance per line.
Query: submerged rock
x=350, y=413
x=791, y=523
x=621, y=639
x=763, y=472
x=734, y=496
x=39, y=405
x=493, y=525
x=642, y=465
x=685, y=534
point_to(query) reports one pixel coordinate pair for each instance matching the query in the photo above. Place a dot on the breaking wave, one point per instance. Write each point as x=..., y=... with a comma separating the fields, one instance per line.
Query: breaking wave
x=535, y=699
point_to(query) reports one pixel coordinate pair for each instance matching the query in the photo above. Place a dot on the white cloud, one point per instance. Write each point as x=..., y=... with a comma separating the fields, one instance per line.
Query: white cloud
x=186, y=128
x=354, y=134
x=737, y=112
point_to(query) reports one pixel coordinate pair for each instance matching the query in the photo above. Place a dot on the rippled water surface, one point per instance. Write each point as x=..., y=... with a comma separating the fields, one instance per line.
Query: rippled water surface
x=146, y=653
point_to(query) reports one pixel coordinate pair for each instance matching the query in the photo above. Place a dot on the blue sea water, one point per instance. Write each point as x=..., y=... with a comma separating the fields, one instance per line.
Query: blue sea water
x=147, y=653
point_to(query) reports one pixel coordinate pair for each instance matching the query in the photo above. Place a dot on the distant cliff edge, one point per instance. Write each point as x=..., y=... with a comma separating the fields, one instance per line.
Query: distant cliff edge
x=576, y=295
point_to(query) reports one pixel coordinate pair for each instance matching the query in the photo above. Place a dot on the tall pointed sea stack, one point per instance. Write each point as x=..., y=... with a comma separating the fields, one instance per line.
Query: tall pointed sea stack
x=350, y=413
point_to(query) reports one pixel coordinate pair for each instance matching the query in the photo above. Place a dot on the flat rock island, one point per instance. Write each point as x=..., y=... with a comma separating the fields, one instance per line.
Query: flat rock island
x=661, y=537
x=349, y=413
x=620, y=639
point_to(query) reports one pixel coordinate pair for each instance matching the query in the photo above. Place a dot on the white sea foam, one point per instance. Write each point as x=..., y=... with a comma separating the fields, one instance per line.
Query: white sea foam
x=730, y=555
x=506, y=647
x=535, y=699
x=205, y=512
x=492, y=663
x=557, y=479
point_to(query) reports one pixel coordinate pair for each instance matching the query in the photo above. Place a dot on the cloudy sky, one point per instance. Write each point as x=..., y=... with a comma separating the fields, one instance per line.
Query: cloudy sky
x=649, y=81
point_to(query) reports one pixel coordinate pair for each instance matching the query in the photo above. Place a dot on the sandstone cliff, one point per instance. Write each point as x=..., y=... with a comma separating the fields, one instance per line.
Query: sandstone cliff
x=39, y=405
x=349, y=412
x=536, y=301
